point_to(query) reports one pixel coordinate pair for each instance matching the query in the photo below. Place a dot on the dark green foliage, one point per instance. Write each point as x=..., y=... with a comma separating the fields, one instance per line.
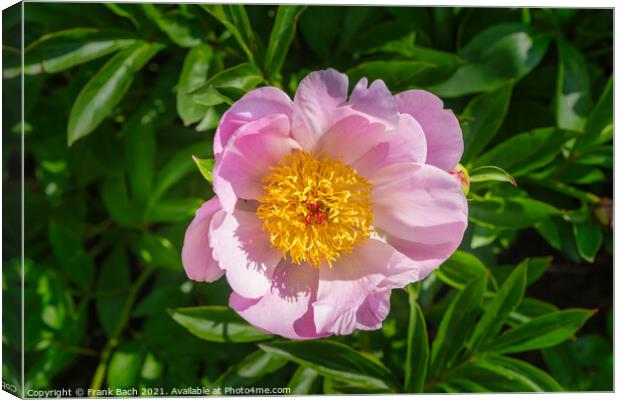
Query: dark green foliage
x=121, y=104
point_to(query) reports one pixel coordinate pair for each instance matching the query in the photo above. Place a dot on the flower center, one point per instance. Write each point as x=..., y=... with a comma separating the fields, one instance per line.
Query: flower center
x=315, y=210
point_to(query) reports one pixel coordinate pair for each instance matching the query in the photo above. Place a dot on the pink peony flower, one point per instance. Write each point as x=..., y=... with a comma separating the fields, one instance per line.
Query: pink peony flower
x=326, y=203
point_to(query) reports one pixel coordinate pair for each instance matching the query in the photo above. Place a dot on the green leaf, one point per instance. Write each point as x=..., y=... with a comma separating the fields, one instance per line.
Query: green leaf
x=335, y=360
x=157, y=251
x=112, y=285
x=130, y=11
x=483, y=235
x=106, y=89
x=236, y=20
x=462, y=385
x=527, y=151
x=500, y=53
x=140, y=148
x=116, y=200
x=205, y=166
x=481, y=120
x=416, y=361
x=320, y=28
x=178, y=167
x=514, y=48
x=76, y=264
x=444, y=64
x=542, y=332
x=589, y=238
x=506, y=300
x=469, y=79
x=62, y=50
x=209, y=97
x=165, y=296
x=601, y=116
x=182, y=28
x=456, y=325
x=338, y=386
x=125, y=366
x=210, y=120
x=55, y=359
x=242, y=77
x=152, y=369
x=354, y=19
x=445, y=18
x=460, y=269
x=505, y=374
x=281, y=37
x=139, y=133
x=559, y=234
x=536, y=267
x=529, y=309
x=173, y=210
x=397, y=75
x=250, y=370
x=601, y=156
x=592, y=349
x=217, y=324
x=573, y=100
x=491, y=173
x=193, y=75
x=539, y=379
x=510, y=212
x=304, y=381
x=562, y=362
x=603, y=379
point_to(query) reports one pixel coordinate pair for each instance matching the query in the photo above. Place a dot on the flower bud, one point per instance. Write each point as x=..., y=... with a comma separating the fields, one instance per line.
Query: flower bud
x=603, y=212
x=462, y=177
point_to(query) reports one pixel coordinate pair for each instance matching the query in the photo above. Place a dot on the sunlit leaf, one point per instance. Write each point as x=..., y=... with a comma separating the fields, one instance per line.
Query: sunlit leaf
x=336, y=360
x=106, y=88
x=573, y=99
x=541, y=332
x=281, y=36
x=193, y=75
x=217, y=324
x=490, y=173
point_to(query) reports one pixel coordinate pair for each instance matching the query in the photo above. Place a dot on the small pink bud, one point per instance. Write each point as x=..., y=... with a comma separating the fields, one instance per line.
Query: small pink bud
x=603, y=212
x=462, y=177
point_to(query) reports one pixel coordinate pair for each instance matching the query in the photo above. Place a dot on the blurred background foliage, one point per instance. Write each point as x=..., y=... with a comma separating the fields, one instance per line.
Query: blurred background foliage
x=118, y=97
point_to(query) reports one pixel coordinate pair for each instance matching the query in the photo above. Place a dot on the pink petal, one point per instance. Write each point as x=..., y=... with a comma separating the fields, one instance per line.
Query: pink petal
x=354, y=293
x=316, y=106
x=254, y=105
x=421, y=210
x=249, y=154
x=376, y=101
x=374, y=309
x=244, y=251
x=350, y=138
x=285, y=309
x=196, y=254
x=406, y=143
x=443, y=133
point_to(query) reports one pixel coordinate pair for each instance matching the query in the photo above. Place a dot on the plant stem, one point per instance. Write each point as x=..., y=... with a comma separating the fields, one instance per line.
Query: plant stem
x=560, y=187
x=114, y=339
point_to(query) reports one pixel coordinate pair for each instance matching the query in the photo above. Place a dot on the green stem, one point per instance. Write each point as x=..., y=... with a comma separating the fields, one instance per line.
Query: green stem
x=417, y=356
x=572, y=157
x=74, y=349
x=413, y=295
x=560, y=187
x=100, y=372
x=102, y=366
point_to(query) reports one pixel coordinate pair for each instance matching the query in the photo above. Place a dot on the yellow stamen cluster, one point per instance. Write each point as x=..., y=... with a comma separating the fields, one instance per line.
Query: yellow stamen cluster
x=315, y=209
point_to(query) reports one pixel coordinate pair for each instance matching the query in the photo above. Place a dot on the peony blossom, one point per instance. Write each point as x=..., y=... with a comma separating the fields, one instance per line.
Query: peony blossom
x=326, y=203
